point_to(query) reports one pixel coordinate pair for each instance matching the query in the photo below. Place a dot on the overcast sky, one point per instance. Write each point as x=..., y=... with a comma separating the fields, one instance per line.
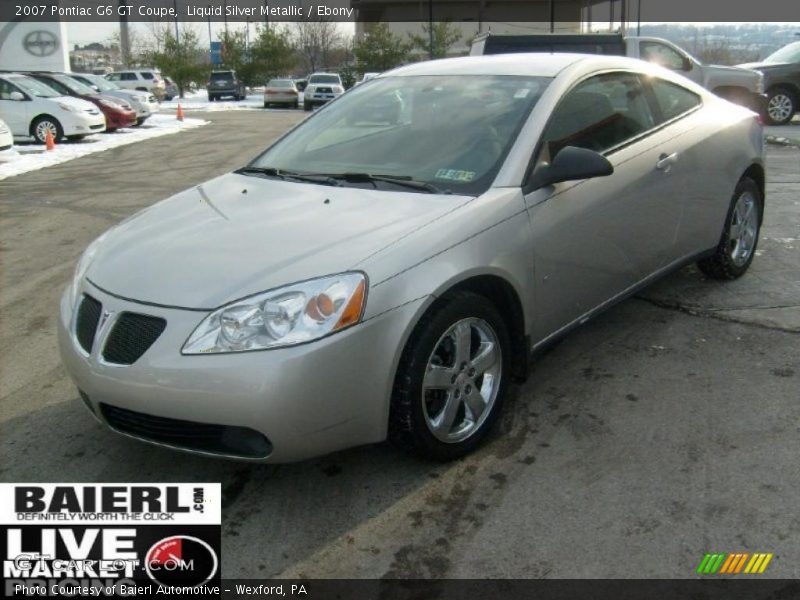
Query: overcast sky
x=86, y=33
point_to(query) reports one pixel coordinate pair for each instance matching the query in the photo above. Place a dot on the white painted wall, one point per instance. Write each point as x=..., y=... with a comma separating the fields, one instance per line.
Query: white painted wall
x=30, y=45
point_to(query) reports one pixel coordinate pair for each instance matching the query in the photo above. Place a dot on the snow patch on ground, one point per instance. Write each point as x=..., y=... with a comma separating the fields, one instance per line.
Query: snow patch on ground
x=25, y=157
x=199, y=101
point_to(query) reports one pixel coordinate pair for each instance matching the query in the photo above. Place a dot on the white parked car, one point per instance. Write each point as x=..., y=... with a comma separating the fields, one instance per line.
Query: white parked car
x=31, y=108
x=6, y=139
x=144, y=103
x=322, y=88
x=143, y=80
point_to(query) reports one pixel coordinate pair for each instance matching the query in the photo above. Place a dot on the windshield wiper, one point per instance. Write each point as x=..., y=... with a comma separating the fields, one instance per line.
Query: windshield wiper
x=400, y=180
x=289, y=175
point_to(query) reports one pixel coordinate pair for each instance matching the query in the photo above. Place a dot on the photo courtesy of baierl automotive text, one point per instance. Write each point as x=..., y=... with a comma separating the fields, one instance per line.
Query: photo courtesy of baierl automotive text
x=369, y=300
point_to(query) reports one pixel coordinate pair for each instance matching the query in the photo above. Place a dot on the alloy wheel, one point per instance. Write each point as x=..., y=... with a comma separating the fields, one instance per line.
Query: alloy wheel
x=743, y=229
x=780, y=108
x=462, y=379
x=42, y=129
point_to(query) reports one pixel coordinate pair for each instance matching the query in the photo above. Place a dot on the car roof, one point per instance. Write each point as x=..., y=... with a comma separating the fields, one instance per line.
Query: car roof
x=534, y=64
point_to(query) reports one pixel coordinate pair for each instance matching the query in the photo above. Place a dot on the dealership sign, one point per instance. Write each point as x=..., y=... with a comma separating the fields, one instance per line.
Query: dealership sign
x=110, y=539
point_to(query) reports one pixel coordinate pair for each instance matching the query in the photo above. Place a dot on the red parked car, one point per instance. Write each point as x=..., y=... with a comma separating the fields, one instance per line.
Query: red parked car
x=117, y=112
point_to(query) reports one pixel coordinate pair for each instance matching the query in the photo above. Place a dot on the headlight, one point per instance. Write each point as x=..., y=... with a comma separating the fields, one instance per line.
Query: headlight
x=291, y=315
x=83, y=265
x=68, y=107
x=338, y=89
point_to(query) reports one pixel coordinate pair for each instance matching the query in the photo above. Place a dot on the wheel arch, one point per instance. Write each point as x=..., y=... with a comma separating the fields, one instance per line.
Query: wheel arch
x=786, y=85
x=504, y=296
x=756, y=172
x=40, y=116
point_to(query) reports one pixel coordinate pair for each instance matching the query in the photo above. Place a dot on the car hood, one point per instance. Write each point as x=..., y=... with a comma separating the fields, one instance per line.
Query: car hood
x=237, y=235
x=74, y=102
x=762, y=66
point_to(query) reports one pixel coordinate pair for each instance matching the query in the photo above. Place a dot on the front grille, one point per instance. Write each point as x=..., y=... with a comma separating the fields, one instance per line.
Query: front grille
x=86, y=322
x=324, y=90
x=131, y=336
x=206, y=437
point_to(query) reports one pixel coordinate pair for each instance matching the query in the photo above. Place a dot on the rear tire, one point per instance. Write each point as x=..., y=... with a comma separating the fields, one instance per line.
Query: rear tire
x=452, y=378
x=781, y=106
x=737, y=246
x=40, y=126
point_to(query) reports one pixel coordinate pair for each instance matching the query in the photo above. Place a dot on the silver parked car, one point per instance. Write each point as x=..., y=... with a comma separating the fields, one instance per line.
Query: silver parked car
x=364, y=280
x=144, y=103
x=281, y=92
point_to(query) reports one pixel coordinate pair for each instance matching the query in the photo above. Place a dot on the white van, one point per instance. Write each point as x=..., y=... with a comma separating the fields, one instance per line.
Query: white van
x=30, y=108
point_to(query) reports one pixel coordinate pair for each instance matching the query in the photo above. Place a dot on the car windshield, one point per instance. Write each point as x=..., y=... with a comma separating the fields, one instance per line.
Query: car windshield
x=280, y=83
x=73, y=84
x=34, y=87
x=451, y=132
x=102, y=84
x=324, y=79
x=787, y=54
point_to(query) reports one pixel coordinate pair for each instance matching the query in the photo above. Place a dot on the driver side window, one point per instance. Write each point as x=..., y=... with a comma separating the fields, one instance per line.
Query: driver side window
x=599, y=113
x=662, y=55
x=6, y=90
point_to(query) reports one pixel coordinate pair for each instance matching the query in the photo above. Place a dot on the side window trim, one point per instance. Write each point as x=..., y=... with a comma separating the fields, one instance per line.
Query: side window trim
x=540, y=142
x=656, y=108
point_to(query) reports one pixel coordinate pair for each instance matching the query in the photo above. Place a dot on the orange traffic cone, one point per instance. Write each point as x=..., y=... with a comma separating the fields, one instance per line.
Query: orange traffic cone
x=180, y=113
x=49, y=141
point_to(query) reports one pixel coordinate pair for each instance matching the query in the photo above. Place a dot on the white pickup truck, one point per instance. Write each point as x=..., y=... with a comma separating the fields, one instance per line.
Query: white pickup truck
x=743, y=86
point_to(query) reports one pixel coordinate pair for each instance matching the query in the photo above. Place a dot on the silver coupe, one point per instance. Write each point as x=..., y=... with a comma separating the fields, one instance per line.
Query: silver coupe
x=386, y=268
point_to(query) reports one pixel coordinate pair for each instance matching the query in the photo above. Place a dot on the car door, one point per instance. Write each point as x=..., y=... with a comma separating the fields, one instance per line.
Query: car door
x=14, y=112
x=594, y=239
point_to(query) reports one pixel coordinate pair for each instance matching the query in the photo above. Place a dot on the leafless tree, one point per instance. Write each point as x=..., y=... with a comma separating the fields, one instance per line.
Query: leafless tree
x=315, y=41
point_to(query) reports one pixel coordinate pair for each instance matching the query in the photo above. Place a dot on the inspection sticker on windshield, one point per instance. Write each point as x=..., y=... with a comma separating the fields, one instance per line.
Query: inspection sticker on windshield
x=455, y=175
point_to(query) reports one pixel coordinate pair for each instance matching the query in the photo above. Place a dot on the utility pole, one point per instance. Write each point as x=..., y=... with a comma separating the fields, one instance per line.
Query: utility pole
x=209, y=26
x=177, y=34
x=430, y=29
x=124, y=36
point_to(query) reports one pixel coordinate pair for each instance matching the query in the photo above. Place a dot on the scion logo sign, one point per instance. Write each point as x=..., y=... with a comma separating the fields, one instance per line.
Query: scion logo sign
x=181, y=560
x=110, y=539
x=40, y=43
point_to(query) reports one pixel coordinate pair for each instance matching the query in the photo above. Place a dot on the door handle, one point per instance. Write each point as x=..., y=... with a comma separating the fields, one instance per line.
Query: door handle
x=665, y=161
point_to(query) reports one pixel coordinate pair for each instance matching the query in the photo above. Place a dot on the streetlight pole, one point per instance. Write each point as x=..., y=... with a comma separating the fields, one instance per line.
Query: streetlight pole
x=430, y=29
x=177, y=34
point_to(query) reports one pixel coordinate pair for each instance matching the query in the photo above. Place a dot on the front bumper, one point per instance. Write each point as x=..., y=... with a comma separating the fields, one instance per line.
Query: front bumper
x=307, y=400
x=83, y=123
x=117, y=119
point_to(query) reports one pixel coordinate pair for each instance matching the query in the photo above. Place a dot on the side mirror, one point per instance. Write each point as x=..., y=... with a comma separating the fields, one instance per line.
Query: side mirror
x=571, y=164
x=16, y=96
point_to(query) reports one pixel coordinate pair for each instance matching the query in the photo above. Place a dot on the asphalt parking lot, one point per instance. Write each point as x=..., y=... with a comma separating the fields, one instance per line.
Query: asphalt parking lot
x=663, y=429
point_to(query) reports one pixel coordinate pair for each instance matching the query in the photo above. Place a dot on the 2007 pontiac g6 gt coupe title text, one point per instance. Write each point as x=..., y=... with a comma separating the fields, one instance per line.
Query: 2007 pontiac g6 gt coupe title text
x=385, y=269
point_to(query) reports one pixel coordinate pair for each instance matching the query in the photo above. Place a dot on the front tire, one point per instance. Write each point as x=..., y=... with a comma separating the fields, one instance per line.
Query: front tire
x=452, y=378
x=737, y=246
x=40, y=126
x=781, y=106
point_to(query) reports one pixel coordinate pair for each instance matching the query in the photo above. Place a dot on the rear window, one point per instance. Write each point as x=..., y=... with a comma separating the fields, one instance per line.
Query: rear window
x=223, y=76
x=280, y=83
x=324, y=79
x=673, y=100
